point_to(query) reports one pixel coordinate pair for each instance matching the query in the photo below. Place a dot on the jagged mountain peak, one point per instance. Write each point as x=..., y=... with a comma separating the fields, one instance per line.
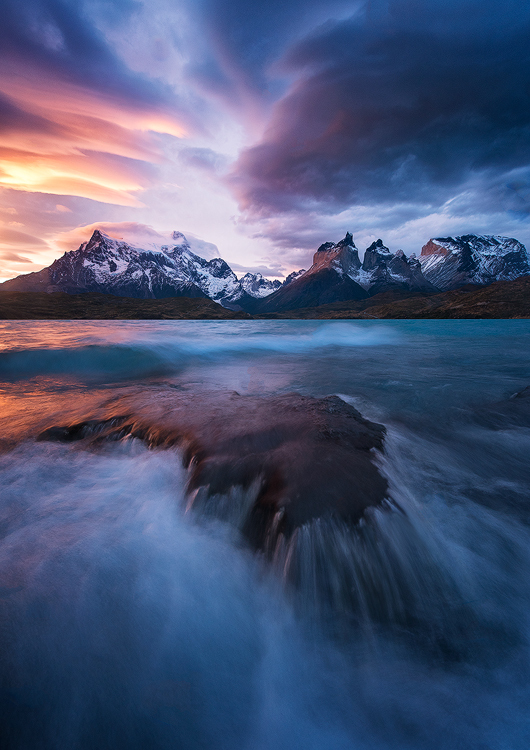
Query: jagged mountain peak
x=98, y=235
x=376, y=255
x=325, y=247
x=258, y=286
x=328, y=280
x=98, y=239
x=337, y=274
x=382, y=271
x=450, y=262
x=112, y=266
x=347, y=241
x=293, y=276
x=378, y=247
x=342, y=257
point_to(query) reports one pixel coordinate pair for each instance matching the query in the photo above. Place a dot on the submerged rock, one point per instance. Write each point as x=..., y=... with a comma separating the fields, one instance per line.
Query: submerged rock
x=267, y=464
x=295, y=476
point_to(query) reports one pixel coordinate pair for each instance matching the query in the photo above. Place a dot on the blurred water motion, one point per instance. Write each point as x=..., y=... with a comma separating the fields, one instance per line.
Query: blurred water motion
x=128, y=622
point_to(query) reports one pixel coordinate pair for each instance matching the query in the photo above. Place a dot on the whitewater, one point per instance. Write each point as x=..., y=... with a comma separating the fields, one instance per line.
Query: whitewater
x=131, y=620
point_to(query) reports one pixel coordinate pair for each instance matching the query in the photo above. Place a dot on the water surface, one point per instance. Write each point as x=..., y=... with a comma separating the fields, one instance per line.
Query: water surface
x=128, y=623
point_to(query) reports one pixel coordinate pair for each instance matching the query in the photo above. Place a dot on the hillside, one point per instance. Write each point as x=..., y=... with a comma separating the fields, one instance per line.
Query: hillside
x=502, y=299
x=61, y=306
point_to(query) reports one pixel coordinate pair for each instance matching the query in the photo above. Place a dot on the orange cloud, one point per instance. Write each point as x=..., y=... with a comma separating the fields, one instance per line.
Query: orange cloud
x=12, y=242
x=13, y=237
x=14, y=257
x=91, y=175
x=41, y=93
x=62, y=138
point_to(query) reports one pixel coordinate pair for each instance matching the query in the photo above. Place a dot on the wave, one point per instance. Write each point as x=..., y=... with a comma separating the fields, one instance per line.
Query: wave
x=140, y=355
x=127, y=625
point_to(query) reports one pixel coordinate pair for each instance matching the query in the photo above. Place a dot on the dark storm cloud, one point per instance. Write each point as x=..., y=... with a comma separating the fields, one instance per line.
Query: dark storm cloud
x=249, y=33
x=405, y=102
x=247, y=36
x=58, y=38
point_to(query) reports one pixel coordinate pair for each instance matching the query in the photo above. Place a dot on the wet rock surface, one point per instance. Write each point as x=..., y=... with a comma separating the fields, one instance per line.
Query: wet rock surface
x=268, y=464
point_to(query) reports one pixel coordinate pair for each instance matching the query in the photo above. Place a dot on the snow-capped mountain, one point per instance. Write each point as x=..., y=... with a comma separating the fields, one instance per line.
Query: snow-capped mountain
x=293, y=276
x=342, y=257
x=111, y=266
x=337, y=275
x=381, y=270
x=257, y=286
x=330, y=279
x=451, y=262
x=384, y=271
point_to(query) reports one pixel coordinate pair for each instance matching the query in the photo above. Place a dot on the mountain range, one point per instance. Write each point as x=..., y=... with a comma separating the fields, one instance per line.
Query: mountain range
x=109, y=266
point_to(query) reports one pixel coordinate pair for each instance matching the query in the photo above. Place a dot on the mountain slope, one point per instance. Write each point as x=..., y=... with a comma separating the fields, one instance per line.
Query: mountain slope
x=105, y=265
x=338, y=275
x=501, y=299
x=452, y=262
x=383, y=271
x=327, y=280
x=108, y=266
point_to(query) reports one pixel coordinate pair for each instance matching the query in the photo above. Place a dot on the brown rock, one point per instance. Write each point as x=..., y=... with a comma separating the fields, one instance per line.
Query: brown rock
x=431, y=248
x=267, y=464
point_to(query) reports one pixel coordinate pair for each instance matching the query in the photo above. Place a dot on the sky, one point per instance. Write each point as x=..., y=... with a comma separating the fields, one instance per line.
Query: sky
x=261, y=129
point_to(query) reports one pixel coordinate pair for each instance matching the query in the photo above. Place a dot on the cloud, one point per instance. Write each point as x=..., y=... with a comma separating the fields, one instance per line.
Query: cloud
x=14, y=237
x=247, y=36
x=129, y=231
x=14, y=257
x=202, y=248
x=203, y=158
x=135, y=233
x=75, y=120
x=12, y=241
x=394, y=118
x=404, y=107
x=274, y=270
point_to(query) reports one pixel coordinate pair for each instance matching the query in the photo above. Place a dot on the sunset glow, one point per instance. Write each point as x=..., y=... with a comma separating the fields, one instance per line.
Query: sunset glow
x=290, y=125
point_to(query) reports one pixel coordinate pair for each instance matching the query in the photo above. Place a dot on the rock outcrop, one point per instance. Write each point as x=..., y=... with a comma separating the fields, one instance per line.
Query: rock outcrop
x=452, y=262
x=384, y=271
x=328, y=280
x=268, y=465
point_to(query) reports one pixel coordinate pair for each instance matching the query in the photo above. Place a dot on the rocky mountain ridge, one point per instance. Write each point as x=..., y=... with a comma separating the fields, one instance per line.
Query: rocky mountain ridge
x=337, y=274
x=109, y=266
x=452, y=262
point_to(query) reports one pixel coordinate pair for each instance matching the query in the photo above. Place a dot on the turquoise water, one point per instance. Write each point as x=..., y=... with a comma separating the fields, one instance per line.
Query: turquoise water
x=127, y=624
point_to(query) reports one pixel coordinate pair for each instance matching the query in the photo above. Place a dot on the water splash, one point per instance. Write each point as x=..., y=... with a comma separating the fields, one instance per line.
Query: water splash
x=132, y=353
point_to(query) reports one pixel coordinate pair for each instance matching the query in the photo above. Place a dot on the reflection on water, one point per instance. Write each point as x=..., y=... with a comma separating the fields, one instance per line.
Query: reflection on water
x=128, y=623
